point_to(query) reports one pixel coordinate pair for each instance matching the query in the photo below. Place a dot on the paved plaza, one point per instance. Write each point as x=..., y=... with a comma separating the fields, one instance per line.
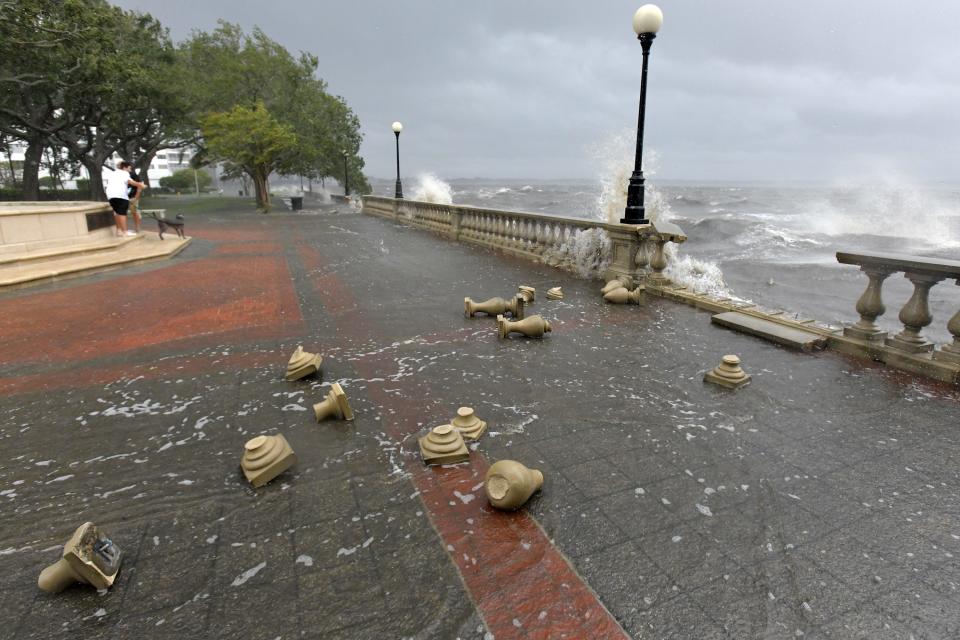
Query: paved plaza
x=820, y=501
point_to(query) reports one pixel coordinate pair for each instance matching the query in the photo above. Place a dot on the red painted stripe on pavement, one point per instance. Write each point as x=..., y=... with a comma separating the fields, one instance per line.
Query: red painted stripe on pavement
x=521, y=585
x=186, y=301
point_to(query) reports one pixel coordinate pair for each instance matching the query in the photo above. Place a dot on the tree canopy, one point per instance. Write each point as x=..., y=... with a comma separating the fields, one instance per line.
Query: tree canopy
x=230, y=68
x=82, y=80
x=252, y=140
x=187, y=180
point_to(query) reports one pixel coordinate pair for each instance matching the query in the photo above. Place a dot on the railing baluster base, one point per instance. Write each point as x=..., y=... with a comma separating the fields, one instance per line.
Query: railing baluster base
x=915, y=315
x=947, y=354
x=951, y=352
x=877, y=335
x=909, y=342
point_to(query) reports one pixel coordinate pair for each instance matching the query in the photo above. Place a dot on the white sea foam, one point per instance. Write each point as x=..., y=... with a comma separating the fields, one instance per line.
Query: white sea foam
x=430, y=188
x=246, y=575
x=702, y=276
x=486, y=194
x=615, y=158
x=891, y=206
x=588, y=252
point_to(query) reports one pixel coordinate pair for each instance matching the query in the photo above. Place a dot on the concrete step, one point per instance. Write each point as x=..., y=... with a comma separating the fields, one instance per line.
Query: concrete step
x=775, y=332
x=81, y=248
x=145, y=248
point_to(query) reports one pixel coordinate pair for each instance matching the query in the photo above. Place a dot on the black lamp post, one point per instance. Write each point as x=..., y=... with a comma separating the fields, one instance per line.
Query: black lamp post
x=646, y=22
x=346, y=176
x=397, y=128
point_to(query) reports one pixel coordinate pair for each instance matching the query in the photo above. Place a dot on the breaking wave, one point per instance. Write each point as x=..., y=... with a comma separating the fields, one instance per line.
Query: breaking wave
x=430, y=188
x=615, y=157
x=702, y=276
x=891, y=206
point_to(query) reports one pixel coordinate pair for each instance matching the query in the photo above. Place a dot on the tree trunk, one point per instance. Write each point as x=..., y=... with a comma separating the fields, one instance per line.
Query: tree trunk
x=31, y=169
x=143, y=167
x=95, y=169
x=13, y=169
x=263, y=192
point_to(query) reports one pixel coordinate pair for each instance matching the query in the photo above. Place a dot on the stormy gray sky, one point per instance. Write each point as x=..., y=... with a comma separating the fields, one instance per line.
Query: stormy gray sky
x=741, y=90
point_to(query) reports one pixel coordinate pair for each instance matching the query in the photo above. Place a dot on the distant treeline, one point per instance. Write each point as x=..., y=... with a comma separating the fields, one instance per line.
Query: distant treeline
x=82, y=79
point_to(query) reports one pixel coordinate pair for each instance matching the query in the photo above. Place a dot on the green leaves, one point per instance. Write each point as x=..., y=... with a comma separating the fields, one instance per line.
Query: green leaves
x=186, y=180
x=94, y=79
x=252, y=139
x=228, y=67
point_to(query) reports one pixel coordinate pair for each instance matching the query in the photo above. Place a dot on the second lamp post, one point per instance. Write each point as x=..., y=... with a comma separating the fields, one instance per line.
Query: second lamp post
x=397, y=128
x=646, y=22
x=346, y=175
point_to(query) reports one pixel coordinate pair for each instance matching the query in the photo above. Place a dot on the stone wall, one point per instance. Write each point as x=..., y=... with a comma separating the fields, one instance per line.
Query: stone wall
x=32, y=226
x=587, y=247
x=635, y=253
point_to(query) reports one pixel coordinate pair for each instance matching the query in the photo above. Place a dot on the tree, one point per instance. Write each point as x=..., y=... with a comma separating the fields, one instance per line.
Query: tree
x=132, y=105
x=8, y=171
x=44, y=48
x=327, y=129
x=228, y=68
x=92, y=79
x=187, y=180
x=253, y=140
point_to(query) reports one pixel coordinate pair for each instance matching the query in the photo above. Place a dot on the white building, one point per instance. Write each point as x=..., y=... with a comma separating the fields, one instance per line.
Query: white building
x=164, y=164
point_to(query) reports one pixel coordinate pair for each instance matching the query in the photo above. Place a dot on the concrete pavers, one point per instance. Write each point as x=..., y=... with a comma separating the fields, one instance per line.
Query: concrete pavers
x=682, y=507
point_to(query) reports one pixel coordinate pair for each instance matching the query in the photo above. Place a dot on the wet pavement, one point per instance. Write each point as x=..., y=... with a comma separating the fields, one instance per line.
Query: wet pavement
x=821, y=501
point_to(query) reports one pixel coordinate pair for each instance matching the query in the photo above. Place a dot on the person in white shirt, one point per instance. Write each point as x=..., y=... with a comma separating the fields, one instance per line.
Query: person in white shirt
x=117, y=183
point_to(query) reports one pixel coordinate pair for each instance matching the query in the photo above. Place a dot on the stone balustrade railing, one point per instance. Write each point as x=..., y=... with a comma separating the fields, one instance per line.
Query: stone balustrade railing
x=915, y=315
x=636, y=254
x=553, y=240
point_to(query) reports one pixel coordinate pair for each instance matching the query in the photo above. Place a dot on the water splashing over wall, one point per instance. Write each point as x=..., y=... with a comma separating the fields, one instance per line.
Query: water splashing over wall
x=615, y=157
x=886, y=206
x=587, y=253
x=430, y=188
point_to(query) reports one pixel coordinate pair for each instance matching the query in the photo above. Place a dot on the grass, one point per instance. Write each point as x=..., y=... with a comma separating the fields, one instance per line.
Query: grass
x=188, y=205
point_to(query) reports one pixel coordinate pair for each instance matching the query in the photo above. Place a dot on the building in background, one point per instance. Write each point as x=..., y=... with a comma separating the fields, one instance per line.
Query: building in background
x=164, y=164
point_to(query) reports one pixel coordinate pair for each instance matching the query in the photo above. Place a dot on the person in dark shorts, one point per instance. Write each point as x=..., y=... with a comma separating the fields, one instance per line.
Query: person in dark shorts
x=117, y=184
x=134, y=194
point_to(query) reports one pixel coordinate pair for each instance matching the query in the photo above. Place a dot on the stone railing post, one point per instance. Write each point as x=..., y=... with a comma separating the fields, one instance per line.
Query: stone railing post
x=659, y=261
x=915, y=315
x=870, y=307
x=951, y=352
x=662, y=233
x=642, y=260
x=455, y=218
x=625, y=245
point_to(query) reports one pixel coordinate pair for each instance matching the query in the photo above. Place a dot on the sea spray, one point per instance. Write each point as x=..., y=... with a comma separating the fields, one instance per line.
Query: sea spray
x=616, y=157
x=321, y=194
x=890, y=206
x=587, y=253
x=430, y=188
x=701, y=276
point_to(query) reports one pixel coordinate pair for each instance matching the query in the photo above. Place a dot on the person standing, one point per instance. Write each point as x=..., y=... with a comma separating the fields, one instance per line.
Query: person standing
x=118, y=182
x=134, y=193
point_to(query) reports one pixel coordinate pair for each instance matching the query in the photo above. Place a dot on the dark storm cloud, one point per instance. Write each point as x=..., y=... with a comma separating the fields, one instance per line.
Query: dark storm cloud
x=738, y=90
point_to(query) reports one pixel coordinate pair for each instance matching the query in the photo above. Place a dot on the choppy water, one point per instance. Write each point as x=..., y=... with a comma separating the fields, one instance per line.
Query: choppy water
x=773, y=245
